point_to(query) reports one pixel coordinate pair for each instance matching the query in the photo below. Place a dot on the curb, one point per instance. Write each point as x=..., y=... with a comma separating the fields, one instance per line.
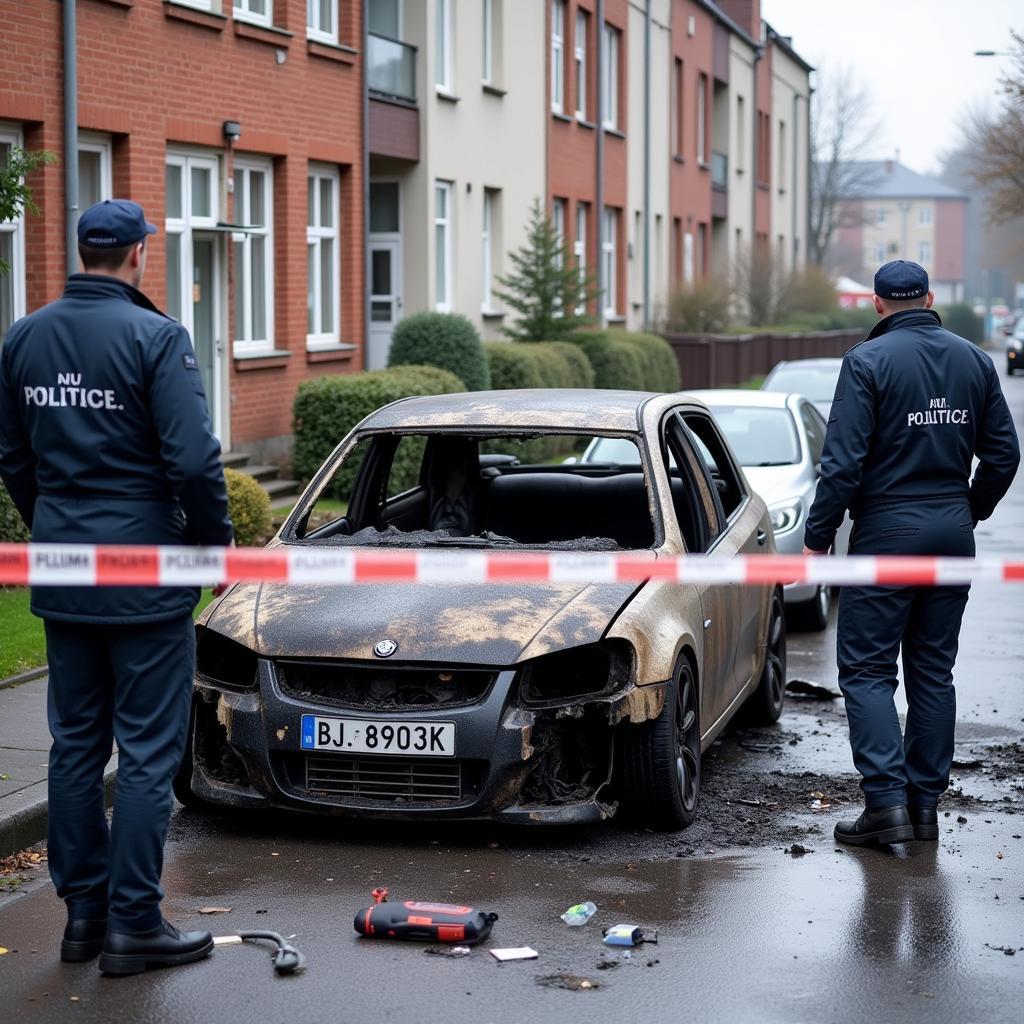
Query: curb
x=24, y=677
x=27, y=825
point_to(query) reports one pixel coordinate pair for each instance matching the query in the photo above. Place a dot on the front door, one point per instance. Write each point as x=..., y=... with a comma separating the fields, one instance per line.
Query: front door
x=385, y=299
x=206, y=322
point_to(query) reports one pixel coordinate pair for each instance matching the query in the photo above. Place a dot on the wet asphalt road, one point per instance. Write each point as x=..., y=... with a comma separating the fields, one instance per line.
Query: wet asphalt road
x=748, y=932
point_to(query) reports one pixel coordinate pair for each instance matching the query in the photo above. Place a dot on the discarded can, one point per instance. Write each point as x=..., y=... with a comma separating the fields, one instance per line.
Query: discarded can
x=425, y=922
x=581, y=913
x=628, y=935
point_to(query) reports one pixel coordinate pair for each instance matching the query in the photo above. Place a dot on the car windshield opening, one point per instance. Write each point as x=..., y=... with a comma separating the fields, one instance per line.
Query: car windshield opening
x=819, y=385
x=480, y=490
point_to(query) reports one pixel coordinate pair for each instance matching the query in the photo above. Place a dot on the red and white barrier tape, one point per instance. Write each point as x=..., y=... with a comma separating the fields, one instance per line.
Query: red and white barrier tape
x=107, y=565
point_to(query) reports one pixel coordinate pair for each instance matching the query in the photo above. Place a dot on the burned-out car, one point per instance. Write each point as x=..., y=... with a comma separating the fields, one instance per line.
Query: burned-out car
x=518, y=702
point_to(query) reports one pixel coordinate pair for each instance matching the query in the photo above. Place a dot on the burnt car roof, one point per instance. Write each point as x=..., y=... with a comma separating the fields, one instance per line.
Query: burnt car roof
x=560, y=409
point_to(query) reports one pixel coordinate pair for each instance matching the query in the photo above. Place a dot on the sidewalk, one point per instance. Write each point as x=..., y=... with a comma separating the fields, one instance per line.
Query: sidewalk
x=24, y=746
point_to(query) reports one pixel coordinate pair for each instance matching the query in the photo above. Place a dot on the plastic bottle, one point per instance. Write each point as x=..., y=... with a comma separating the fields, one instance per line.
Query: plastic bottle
x=579, y=914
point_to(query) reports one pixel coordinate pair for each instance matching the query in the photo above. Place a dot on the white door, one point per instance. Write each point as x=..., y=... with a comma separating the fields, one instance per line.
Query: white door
x=206, y=323
x=385, y=299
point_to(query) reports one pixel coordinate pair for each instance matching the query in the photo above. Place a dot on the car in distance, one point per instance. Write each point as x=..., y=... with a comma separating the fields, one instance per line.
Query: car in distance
x=1015, y=349
x=521, y=702
x=777, y=439
x=815, y=379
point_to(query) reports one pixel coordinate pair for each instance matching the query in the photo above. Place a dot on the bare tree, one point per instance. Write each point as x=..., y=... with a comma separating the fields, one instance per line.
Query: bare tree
x=842, y=130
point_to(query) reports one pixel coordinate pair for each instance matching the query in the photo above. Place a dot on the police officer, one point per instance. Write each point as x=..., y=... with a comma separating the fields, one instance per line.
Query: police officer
x=914, y=405
x=105, y=437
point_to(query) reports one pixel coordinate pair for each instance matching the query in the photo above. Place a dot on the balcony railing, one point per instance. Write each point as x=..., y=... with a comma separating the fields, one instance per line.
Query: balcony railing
x=391, y=68
x=719, y=171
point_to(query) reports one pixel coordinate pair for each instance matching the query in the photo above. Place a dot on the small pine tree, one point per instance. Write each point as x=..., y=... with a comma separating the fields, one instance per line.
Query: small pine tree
x=15, y=195
x=545, y=288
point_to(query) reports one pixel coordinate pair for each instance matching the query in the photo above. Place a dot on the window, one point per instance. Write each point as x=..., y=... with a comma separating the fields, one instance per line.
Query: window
x=712, y=449
x=782, y=156
x=924, y=253
x=384, y=18
x=557, y=55
x=610, y=77
x=698, y=514
x=580, y=53
x=688, y=257
x=260, y=12
x=253, y=256
x=702, y=249
x=558, y=224
x=323, y=278
x=443, y=51
x=94, y=173
x=880, y=216
x=924, y=216
x=321, y=20
x=764, y=147
x=579, y=251
x=815, y=426
x=12, y=247
x=488, y=27
x=702, y=102
x=609, y=261
x=880, y=252
x=202, y=5
x=443, y=246
x=677, y=122
x=491, y=242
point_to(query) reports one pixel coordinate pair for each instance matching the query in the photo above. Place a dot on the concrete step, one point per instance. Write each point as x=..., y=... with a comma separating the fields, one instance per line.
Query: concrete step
x=261, y=473
x=277, y=488
x=234, y=460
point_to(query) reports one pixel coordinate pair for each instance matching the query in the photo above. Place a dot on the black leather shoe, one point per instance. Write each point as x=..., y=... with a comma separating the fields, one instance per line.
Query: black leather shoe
x=889, y=825
x=132, y=953
x=83, y=940
x=925, y=821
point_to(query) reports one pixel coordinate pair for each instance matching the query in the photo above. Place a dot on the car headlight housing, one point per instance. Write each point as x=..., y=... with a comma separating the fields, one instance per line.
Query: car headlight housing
x=785, y=516
x=224, y=663
x=589, y=671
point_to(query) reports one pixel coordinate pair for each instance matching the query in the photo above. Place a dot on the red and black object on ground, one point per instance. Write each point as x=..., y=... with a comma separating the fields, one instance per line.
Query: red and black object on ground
x=425, y=922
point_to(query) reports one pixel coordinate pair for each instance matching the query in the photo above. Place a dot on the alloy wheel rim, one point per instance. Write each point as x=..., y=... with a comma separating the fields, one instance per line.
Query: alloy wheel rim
x=776, y=663
x=687, y=743
x=824, y=601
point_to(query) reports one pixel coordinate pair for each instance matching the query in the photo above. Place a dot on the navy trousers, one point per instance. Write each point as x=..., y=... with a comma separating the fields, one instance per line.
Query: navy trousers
x=874, y=624
x=132, y=684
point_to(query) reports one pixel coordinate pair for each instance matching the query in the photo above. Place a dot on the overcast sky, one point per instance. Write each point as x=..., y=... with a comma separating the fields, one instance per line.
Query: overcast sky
x=914, y=56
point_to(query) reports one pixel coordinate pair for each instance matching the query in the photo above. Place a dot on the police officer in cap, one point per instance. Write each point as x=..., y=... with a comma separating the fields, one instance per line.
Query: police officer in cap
x=105, y=438
x=914, y=405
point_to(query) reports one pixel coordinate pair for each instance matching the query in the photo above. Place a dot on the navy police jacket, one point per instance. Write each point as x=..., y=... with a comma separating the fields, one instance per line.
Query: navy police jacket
x=914, y=405
x=105, y=438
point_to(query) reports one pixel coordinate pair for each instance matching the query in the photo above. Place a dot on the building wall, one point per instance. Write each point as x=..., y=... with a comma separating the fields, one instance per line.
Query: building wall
x=160, y=75
x=739, y=232
x=898, y=229
x=790, y=103
x=951, y=243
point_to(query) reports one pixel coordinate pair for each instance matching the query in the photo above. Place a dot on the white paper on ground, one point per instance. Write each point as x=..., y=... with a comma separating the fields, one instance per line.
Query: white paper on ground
x=515, y=953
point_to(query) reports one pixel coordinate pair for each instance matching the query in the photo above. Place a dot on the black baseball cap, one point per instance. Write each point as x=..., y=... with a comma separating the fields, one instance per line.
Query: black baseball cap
x=112, y=224
x=901, y=279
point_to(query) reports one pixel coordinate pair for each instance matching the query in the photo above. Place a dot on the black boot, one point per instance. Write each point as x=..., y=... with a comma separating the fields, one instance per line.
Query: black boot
x=889, y=825
x=83, y=940
x=925, y=821
x=128, y=953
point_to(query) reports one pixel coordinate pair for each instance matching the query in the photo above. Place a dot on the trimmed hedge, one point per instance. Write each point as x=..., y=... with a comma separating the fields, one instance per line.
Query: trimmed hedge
x=445, y=340
x=249, y=508
x=581, y=373
x=12, y=527
x=661, y=368
x=327, y=408
x=617, y=365
x=514, y=365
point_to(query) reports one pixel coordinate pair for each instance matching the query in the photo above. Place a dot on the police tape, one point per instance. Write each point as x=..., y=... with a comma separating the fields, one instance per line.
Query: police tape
x=97, y=565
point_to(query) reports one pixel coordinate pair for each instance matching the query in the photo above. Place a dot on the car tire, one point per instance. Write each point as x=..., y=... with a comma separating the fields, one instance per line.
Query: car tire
x=812, y=616
x=1009, y=368
x=660, y=759
x=182, y=782
x=765, y=704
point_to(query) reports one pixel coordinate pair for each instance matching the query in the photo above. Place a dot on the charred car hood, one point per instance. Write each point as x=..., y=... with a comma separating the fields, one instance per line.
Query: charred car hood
x=491, y=624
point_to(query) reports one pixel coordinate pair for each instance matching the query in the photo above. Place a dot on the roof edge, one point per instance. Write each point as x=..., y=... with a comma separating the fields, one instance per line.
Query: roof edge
x=787, y=48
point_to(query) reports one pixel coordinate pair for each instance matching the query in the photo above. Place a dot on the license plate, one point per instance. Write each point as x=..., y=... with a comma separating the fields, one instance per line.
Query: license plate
x=364, y=736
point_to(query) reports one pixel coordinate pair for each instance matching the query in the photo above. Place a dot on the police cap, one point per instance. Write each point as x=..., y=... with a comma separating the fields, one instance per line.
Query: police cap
x=901, y=279
x=112, y=224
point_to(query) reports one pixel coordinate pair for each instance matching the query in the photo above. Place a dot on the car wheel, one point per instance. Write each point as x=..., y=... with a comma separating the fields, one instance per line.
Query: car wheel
x=812, y=615
x=765, y=704
x=1009, y=368
x=182, y=782
x=660, y=759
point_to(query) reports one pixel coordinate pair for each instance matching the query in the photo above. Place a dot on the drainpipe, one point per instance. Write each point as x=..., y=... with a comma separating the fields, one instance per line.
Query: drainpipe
x=758, y=54
x=602, y=284
x=794, y=195
x=647, y=167
x=366, y=187
x=70, y=136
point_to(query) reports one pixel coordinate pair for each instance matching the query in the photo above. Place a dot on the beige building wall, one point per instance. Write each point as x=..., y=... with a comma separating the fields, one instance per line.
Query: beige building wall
x=789, y=173
x=899, y=229
x=660, y=157
x=742, y=158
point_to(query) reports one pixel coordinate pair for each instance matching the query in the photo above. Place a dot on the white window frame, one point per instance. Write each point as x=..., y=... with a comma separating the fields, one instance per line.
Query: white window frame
x=202, y=5
x=443, y=259
x=579, y=41
x=558, y=210
x=489, y=238
x=558, y=56
x=924, y=253
x=675, y=103
x=443, y=72
x=244, y=342
x=487, y=17
x=610, y=75
x=315, y=30
x=781, y=157
x=609, y=259
x=579, y=248
x=702, y=114
x=241, y=10
x=10, y=135
x=925, y=217
x=93, y=142
x=320, y=236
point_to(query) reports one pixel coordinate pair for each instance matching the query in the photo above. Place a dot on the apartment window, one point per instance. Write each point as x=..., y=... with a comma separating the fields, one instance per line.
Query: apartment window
x=191, y=202
x=688, y=257
x=94, y=170
x=677, y=123
x=924, y=253
x=558, y=225
x=580, y=53
x=443, y=246
x=579, y=250
x=702, y=249
x=488, y=27
x=880, y=252
x=610, y=76
x=202, y=5
x=443, y=52
x=253, y=256
x=12, y=247
x=880, y=216
x=323, y=287
x=321, y=20
x=702, y=102
x=609, y=261
x=491, y=242
x=782, y=156
x=741, y=135
x=764, y=165
x=924, y=216
x=260, y=12
x=557, y=55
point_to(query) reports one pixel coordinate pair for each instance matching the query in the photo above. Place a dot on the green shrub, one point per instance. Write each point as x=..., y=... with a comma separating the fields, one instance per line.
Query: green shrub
x=618, y=365
x=514, y=365
x=445, y=340
x=810, y=290
x=327, y=408
x=581, y=373
x=701, y=308
x=249, y=508
x=554, y=367
x=961, y=319
x=661, y=368
x=12, y=527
